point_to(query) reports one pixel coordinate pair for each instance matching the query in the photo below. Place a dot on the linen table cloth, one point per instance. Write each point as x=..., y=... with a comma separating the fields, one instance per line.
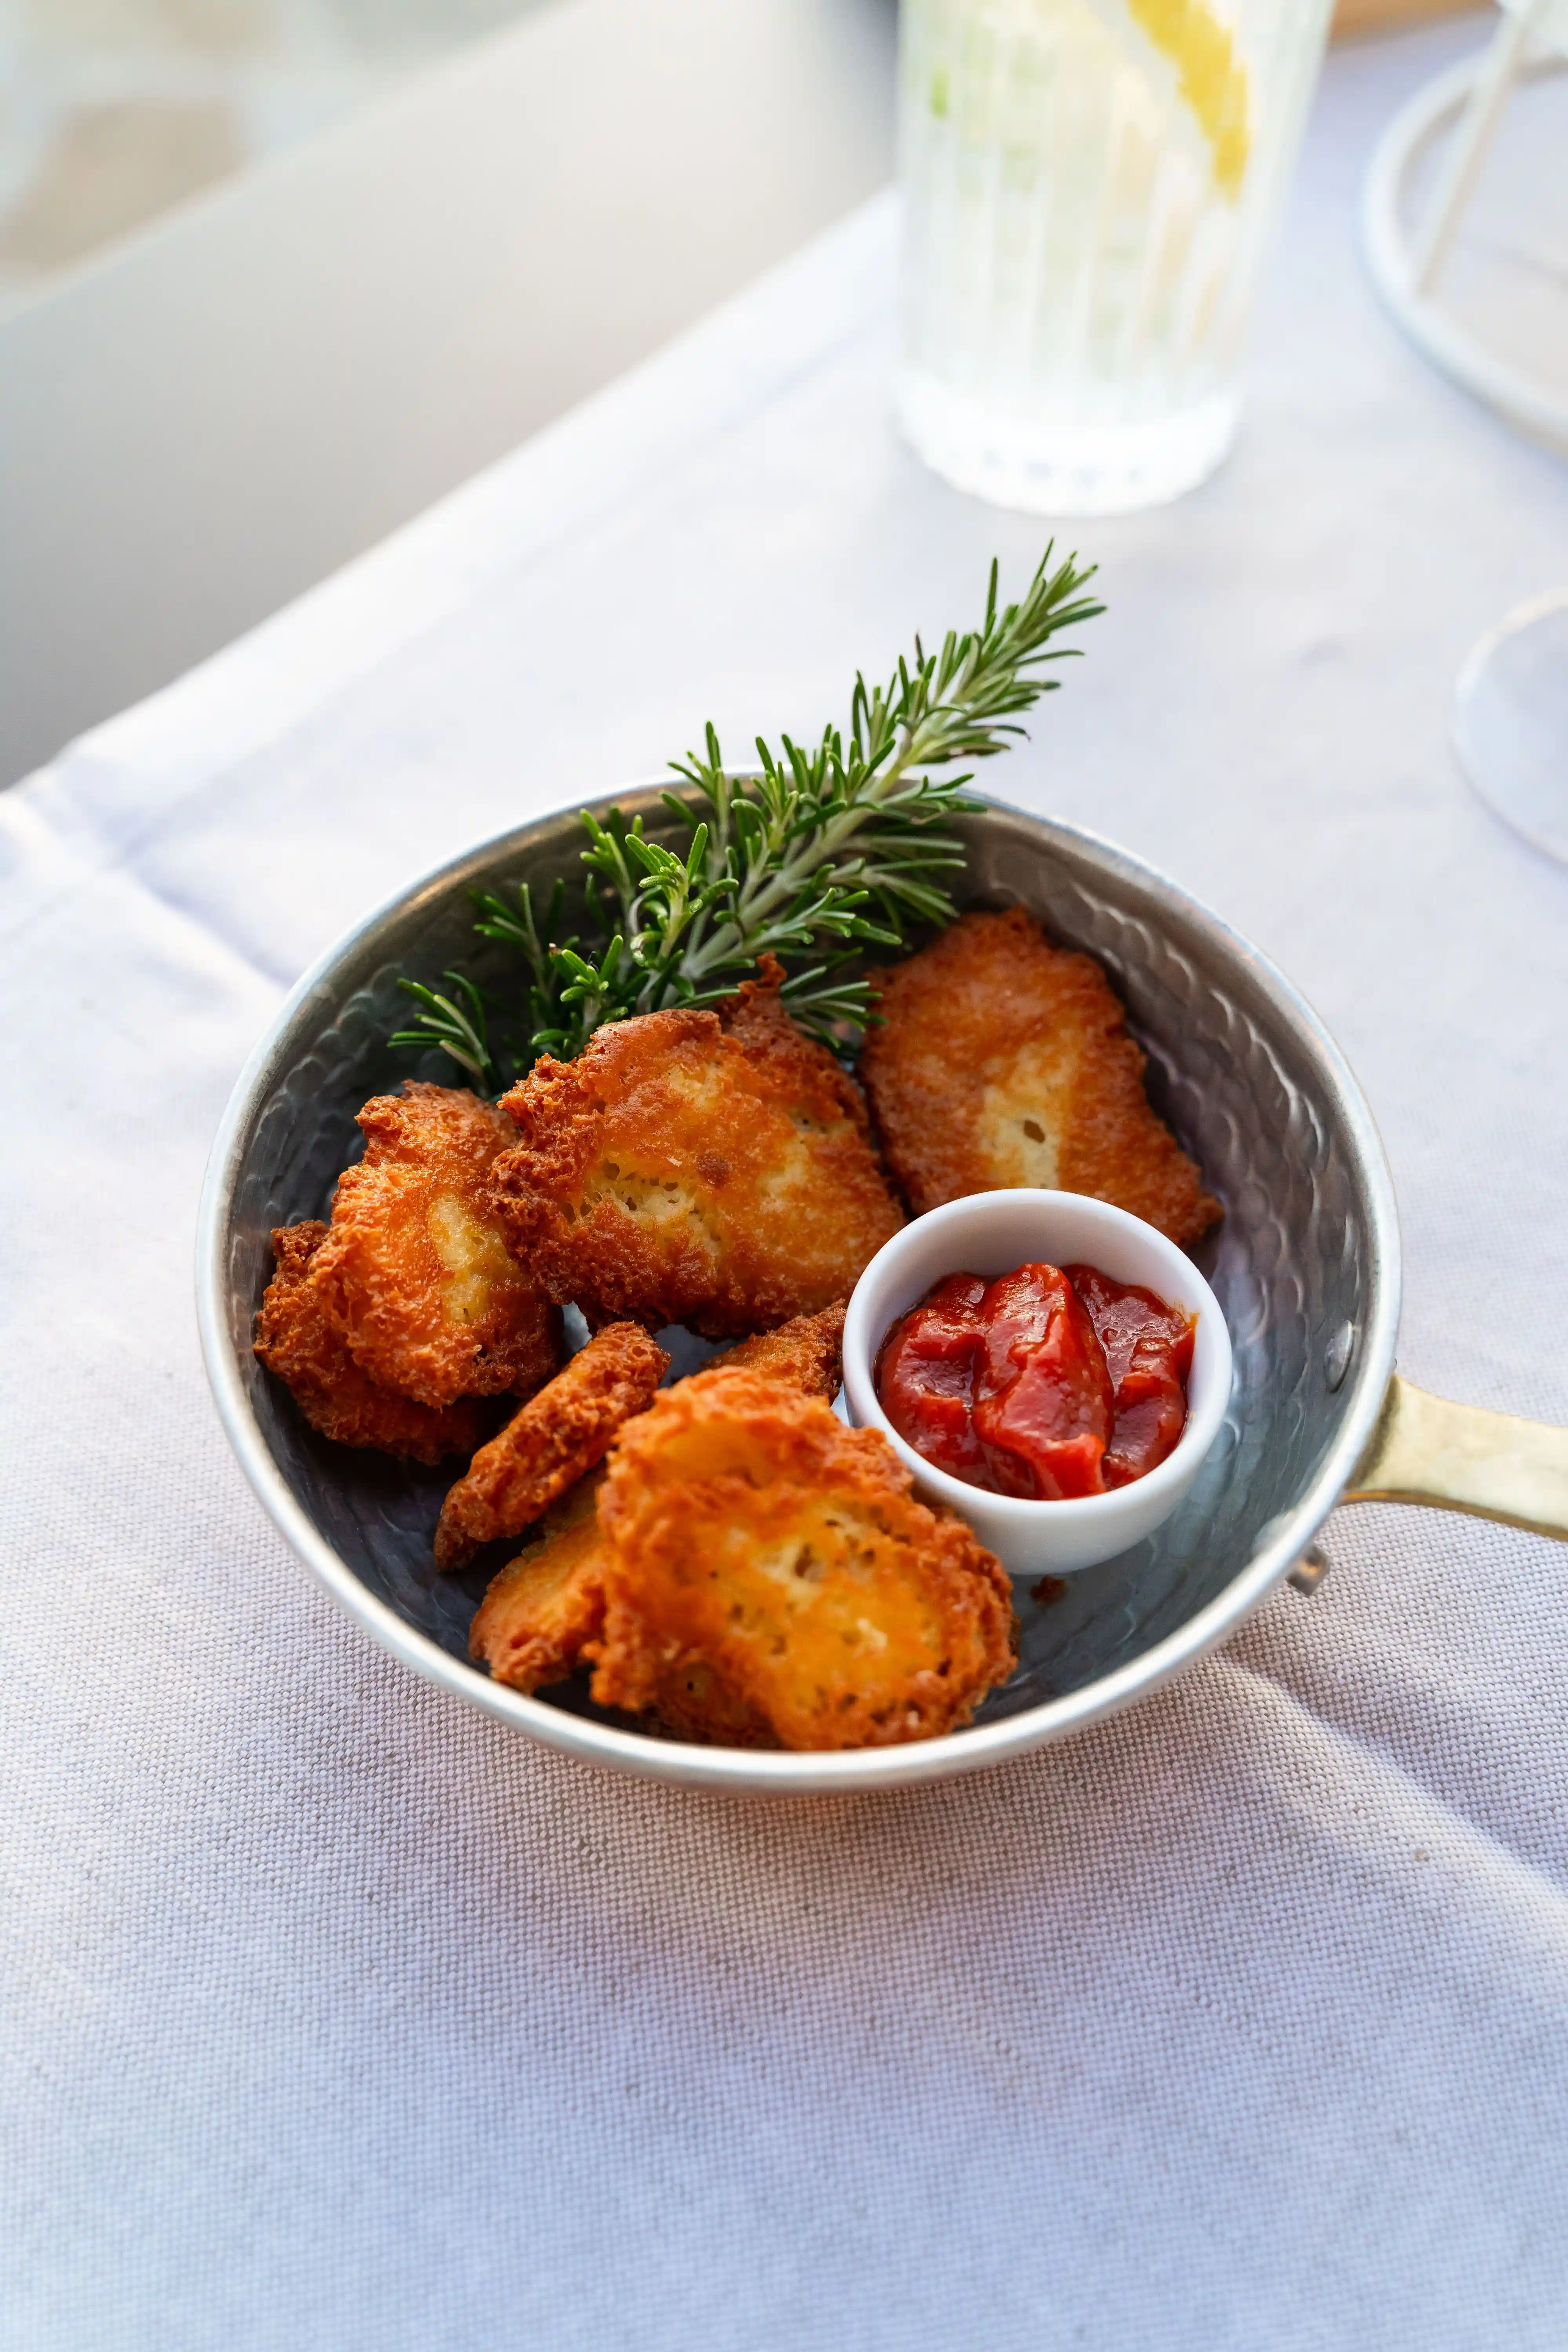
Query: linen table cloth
x=337, y=2016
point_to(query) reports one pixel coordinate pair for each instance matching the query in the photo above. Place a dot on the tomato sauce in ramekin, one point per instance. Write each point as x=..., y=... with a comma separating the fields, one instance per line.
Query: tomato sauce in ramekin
x=1047, y=1384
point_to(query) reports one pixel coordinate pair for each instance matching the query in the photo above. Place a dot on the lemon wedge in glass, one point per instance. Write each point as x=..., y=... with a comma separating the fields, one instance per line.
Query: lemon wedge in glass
x=1210, y=78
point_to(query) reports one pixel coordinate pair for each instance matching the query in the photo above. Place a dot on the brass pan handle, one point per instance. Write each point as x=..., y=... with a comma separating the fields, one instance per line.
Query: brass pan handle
x=1460, y=1458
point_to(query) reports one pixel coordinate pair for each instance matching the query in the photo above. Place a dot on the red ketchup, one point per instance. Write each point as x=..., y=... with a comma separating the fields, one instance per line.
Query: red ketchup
x=1049, y=1383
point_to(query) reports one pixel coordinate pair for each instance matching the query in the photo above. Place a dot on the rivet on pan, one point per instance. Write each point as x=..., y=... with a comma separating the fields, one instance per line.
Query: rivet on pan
x=1336, y=1355
x=1310, y=1569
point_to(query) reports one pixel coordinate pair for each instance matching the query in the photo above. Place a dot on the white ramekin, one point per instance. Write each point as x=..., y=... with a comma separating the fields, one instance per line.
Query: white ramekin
x=989, y=1234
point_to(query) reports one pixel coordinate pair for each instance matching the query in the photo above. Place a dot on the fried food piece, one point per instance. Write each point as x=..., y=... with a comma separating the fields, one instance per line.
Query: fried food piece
x=544, y=1607
x=711, y=1169
x=430, y=1300
x=544, y=1604
x=546, y=1447
x=298, y=1336
x=691, y=1702
x=807, y=1353
x=1002, y=1060
x=749, y=1533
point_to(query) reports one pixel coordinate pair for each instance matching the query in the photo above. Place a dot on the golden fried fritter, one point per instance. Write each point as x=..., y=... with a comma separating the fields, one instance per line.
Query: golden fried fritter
x=298, y=1336
x=750, y=1534
x=548, y=1446
x=689, y=1701
x=713, y=1169
x=807, y=1353
x=431, y=1300
x=544, y=1604
x=1002, y=1060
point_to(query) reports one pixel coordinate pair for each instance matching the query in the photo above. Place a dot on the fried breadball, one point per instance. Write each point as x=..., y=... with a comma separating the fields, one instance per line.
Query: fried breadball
x=430, y=1298
x=711, y=1169
x=804, y=1353
x=750, y=1534
x=544, y=1605
x=299, y=1339
x=1002, y=1060
x=545, y=1448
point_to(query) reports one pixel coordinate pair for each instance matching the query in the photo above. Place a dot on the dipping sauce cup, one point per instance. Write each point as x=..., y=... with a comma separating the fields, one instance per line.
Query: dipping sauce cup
x=990, y=1233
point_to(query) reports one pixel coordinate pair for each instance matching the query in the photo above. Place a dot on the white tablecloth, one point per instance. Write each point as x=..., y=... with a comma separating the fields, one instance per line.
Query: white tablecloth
x=338, y=2017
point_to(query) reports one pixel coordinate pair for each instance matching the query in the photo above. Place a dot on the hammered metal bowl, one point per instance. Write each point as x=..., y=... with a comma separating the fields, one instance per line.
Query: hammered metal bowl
x=1305, y=1265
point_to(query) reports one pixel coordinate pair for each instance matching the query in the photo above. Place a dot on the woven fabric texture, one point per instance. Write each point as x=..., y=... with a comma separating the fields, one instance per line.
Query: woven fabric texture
x=337, y=2017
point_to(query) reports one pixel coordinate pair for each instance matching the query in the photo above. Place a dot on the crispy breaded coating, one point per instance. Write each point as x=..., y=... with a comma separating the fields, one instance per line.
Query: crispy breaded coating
x=546, y=1447
x=689, y=1701
x=1002, y=1060
x=689, y=1168
x=806, y=1353
x=749, y=1533
x=431, y=1300
x=544, y=1605
x=299, y=1339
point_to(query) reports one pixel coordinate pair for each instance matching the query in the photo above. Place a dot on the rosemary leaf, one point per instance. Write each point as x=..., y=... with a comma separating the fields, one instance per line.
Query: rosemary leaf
x=842, y=845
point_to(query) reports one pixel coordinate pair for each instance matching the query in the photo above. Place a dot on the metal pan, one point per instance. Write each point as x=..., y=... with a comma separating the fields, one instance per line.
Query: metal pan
x=1306, y=1266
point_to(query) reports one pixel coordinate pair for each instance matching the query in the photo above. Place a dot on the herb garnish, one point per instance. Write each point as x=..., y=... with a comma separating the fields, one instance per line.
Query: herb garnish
x=824, y=853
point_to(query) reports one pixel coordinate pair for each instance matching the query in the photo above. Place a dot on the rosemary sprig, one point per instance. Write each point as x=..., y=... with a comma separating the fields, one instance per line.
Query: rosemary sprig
x=824, y=853
x=460, y=1029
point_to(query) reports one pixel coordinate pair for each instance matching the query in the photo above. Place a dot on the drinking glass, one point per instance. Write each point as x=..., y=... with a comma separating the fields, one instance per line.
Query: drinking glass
x=1089, y=188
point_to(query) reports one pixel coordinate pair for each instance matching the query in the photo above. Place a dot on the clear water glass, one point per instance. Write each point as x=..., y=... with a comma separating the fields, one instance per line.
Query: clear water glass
x=1088, y=185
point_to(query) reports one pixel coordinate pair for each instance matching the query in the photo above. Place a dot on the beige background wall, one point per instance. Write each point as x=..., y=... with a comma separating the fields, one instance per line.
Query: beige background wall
x=200, y=424
x=112, y=110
